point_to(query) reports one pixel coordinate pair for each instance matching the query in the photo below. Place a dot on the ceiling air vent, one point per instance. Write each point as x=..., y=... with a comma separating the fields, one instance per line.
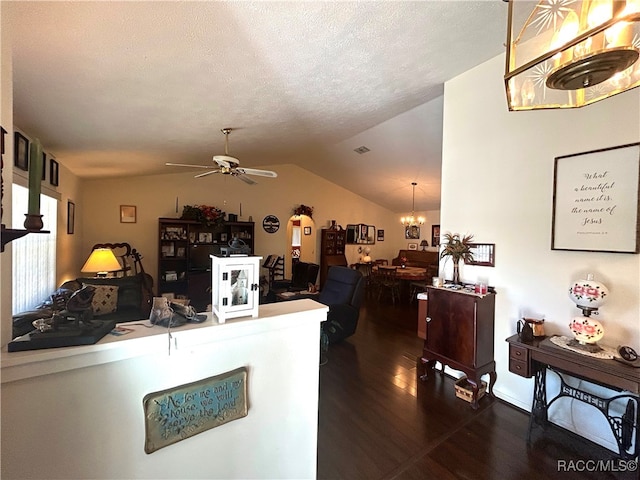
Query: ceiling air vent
x=362, y=150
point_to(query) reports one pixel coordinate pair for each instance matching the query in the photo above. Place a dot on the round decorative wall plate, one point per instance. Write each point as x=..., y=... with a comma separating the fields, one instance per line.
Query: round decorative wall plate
x=271, y=224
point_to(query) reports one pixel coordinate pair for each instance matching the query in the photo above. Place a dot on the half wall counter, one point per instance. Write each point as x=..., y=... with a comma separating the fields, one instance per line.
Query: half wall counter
x=81, y=412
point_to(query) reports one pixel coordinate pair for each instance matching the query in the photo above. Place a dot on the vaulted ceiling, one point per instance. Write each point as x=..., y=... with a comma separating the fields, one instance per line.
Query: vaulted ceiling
x=120, y=88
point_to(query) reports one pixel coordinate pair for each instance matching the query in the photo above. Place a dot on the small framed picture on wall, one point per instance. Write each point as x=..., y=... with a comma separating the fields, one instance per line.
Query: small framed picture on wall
x=53, y=172
x=435, y=235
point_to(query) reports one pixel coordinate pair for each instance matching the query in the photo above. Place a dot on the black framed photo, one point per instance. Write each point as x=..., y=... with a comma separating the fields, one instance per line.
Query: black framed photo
x=53, y=172
x=307, y=230
x=435, y=235
x=596, y=198
x=412, y=232
x=21, y=153
x=380, y=235
x=71, y=217
x=483, y=254
x=44, y=166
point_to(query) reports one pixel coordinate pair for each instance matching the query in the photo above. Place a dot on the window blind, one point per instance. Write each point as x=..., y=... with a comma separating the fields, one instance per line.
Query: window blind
x=34, y=255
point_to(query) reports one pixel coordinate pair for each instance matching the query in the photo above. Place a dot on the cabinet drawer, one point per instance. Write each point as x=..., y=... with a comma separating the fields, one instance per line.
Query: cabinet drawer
x=519, y=367
x=519, y=360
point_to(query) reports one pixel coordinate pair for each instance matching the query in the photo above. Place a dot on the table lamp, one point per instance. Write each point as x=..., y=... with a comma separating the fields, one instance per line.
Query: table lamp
x=101, y=261
x=424, y=244
x=588, y=295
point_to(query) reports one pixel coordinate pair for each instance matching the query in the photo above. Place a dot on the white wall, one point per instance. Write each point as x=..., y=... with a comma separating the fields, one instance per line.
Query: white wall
x=510, y=157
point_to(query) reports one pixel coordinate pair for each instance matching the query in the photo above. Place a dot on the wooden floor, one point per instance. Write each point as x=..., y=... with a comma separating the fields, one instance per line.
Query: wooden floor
x=377, y=420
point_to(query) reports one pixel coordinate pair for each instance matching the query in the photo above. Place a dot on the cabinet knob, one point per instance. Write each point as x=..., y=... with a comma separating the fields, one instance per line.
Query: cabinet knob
x=518, y=353
x=428, y=319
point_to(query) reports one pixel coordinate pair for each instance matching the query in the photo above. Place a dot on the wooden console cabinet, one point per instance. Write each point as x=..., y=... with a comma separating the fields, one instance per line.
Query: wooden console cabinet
x=332, y=243
x=460, y=335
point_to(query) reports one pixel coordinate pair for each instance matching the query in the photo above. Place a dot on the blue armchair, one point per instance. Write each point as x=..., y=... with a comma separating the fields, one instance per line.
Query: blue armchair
x=342, y=293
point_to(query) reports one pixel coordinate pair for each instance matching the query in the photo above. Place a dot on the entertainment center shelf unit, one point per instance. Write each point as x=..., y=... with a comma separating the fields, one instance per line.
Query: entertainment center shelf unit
x=184, y=249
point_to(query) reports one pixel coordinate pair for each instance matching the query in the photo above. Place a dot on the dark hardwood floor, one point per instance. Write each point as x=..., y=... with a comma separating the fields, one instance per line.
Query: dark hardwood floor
x=377, y=420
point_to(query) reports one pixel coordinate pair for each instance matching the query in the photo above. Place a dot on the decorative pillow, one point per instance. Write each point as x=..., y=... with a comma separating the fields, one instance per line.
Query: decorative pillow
x=105, y=299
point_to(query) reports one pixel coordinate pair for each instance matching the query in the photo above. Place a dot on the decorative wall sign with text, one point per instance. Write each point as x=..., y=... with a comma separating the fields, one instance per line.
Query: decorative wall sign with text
x=595, y=200
x=271, y=224
x=181, y=412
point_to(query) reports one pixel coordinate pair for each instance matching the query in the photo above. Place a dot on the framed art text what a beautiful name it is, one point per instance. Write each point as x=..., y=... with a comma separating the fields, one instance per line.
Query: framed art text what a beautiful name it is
x=595, y=200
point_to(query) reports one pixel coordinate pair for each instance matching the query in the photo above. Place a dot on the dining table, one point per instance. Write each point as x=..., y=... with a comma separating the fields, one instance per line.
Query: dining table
x=405, y=275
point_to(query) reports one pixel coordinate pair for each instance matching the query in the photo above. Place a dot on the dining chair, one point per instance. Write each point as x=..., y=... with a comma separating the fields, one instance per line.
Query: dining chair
x=386, y=280
x=381, y=261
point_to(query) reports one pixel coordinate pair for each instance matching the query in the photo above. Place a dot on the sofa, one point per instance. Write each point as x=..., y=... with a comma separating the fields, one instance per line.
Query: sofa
x=121, y=299
x=419, y=258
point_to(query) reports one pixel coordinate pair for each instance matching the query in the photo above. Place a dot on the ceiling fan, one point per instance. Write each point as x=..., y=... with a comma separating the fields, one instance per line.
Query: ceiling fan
x=228, y=165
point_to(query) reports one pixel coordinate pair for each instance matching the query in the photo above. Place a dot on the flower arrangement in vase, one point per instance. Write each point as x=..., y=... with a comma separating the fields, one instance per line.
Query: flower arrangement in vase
x=458, y=248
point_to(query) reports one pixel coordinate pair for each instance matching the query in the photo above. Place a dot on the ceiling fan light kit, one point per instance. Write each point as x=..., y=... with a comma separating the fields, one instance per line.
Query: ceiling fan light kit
x=228, y=165
x=568, y=53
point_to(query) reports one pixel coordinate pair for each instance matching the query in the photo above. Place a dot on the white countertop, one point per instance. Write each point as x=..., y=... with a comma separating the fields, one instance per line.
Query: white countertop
x=144, y=340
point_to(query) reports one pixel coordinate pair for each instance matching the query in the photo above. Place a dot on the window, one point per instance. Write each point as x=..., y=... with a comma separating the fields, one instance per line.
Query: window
x=34, y=255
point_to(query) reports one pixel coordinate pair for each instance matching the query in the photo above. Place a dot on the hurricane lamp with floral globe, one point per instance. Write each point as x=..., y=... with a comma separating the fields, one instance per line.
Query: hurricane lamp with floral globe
x=588, y=295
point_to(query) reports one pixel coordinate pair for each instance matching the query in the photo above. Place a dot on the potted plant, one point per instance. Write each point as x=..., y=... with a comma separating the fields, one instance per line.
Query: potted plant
x=458, y=248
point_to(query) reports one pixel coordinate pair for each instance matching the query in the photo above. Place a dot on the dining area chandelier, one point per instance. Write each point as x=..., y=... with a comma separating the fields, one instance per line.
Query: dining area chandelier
x=570, y=53
x=412, y=221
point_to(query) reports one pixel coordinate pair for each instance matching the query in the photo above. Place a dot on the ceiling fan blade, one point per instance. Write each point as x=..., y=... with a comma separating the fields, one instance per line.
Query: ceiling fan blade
x=244, y=178
x=253, y=171
x=217, y=170
x=188, y=165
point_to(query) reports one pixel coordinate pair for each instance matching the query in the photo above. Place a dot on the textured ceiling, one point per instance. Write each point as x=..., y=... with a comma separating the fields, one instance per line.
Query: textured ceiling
x=120, y=88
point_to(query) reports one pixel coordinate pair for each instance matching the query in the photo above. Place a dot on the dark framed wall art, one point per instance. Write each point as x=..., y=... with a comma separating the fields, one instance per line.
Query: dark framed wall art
x=53, y=172
x=595, y=200
x=484, y=254
x=412, y=232
x=435, y=235
x=71, y=217
x=21, y=151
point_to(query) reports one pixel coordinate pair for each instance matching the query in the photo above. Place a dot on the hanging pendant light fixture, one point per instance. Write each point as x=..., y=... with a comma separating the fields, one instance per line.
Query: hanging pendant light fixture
x=570, y=53
x=412, y=221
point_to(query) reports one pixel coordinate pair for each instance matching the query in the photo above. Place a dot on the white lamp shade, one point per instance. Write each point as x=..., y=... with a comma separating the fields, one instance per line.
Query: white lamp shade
x=101, y=260
x=586, y=329
x=588, y=293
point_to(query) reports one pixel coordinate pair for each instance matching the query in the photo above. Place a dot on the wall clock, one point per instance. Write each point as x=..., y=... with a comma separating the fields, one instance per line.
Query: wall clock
x=271, y=224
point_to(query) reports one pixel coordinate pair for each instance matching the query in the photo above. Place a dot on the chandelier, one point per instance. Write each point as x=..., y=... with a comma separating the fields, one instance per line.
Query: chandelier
x=570, y=53
x=412, y=221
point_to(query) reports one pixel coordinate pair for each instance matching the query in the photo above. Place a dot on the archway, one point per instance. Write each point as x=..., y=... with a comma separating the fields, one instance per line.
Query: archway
x=301, y=241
